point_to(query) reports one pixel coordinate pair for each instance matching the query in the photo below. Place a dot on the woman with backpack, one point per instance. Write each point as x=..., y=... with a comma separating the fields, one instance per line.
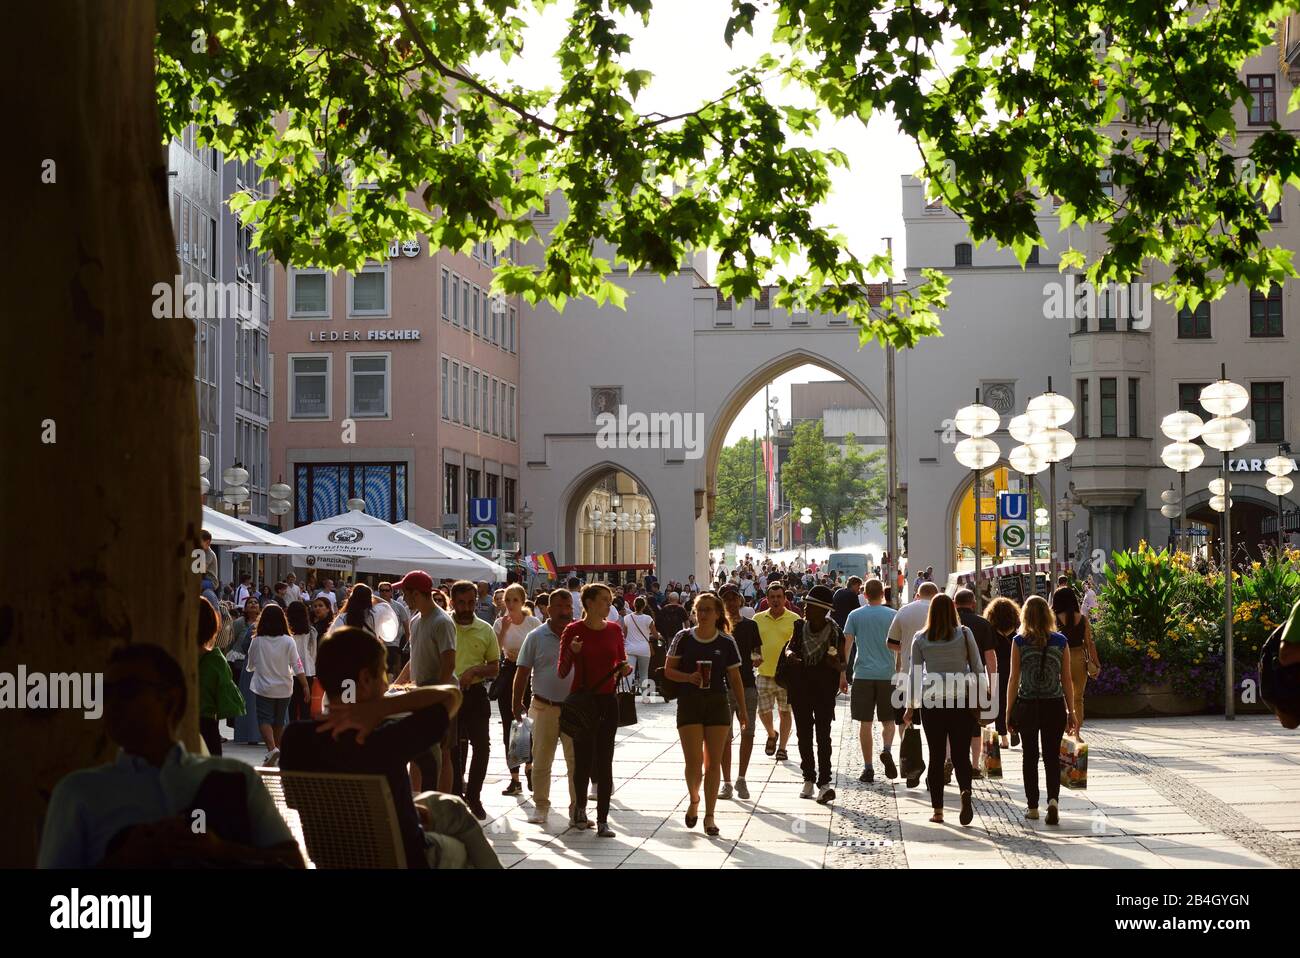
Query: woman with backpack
x=705, y=662
x=1038, y=705
x=810, y=668
x=945, y=659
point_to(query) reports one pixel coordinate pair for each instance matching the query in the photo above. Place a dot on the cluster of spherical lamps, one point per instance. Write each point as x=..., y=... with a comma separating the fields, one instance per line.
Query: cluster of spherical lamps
x=805, y=518
x=977, y=452
x=1279, y=469
x=617, y=520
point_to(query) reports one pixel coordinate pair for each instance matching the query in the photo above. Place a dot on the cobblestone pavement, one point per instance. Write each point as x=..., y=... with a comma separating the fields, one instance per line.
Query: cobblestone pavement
x=1169, y=792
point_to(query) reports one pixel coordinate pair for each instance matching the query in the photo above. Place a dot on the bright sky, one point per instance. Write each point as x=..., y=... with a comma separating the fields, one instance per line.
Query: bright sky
x=684, y=48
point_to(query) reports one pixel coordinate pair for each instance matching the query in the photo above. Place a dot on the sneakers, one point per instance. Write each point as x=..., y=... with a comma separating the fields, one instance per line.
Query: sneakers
x=1053, y=813
x=725, y=791
x=604, y=831
x=887, y=760
x=825, y=795
x=913, y=782
x=1031, y=814
x=868, y=774
x=782, y=755
x=967, y=809
x=272, y=758
x=477, y=808
x=578, y=818
x=742, y=790
x=539, y=816
x=807, y=790
x=514, y=788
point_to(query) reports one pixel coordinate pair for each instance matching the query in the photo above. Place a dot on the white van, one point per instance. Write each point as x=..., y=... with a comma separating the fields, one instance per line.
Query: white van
x=850, y=564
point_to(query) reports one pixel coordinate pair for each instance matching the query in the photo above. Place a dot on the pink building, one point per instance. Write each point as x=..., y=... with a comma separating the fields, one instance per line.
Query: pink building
x=397, y=385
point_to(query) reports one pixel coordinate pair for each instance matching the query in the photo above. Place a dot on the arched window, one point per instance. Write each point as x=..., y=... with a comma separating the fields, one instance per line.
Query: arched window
x=962, y=254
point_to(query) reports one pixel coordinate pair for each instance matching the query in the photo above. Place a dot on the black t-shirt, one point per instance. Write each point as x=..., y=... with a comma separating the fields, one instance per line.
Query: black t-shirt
x=669, y=620
x=721, y=650
x=981, y=629
x=386, y=752
x=842, y=603
x=747, y=639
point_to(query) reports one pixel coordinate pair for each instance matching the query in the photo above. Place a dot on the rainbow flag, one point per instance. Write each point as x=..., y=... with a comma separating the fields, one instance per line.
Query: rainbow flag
x=545, y=562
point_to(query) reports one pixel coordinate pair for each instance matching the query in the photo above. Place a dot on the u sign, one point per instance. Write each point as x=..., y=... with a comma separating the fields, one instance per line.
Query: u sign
x=482, y=512
x=1013, y=505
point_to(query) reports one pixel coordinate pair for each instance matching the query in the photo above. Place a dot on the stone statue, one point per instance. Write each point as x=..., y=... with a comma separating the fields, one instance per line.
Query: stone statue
x=1082, y=554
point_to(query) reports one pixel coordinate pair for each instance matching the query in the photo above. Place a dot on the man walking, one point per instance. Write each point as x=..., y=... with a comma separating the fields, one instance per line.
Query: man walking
x=775, y=626
x=432, y=662
x=539, y=660
x=867, y=630
x=478, y=658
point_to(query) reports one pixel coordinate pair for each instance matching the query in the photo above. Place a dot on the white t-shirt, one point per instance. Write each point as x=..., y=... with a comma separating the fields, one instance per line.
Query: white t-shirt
x=274, y=661
x=513, y=639
x=306, y=651
x=637, y=629
x=292, y=594
x=746, y=611
x=577, y=603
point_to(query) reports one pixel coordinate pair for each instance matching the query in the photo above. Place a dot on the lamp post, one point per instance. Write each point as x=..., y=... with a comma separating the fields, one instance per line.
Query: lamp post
x=204, y=485
x=1026, y=461
x=1226, y=432
x=1170, y=511
x=525, y=519
x=1065, y=512
x=1279, y=467
x=805, y=517
x=1047, y=413
x=977, y=452
x=1182, y=455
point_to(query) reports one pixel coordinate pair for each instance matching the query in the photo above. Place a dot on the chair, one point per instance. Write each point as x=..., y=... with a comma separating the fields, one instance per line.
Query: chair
x=339, y=820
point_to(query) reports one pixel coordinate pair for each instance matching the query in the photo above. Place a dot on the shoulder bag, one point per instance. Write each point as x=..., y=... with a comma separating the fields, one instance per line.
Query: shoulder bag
x=787, y=669
x=578, y=715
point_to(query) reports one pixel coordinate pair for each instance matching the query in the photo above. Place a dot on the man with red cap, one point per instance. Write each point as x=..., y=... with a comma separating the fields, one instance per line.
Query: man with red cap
x=432, y=662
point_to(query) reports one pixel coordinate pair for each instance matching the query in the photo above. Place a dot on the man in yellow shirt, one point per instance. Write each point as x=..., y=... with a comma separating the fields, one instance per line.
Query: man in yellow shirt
x=478, y=658
x=775, y=626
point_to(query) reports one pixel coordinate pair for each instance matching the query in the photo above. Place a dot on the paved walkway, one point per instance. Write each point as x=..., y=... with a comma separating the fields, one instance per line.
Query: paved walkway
x=1175, y=792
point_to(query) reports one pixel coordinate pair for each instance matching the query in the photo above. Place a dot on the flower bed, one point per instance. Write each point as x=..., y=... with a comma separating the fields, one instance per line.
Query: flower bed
x=1159, y=631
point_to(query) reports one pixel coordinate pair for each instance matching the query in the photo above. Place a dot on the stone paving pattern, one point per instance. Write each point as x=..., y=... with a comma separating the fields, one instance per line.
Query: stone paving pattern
x=1165, y=793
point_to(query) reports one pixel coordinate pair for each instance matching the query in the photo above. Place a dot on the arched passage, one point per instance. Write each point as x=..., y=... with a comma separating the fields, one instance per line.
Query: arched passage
x=576, y=521
x=1250, y=507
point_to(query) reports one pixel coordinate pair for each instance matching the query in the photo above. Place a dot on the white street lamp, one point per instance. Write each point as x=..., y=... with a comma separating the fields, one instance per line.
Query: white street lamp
x=1219, y=504
x=1021, y=428
x=1279, y=467
x=978, y=453
x=1219, y=488
x=1047, y=412
x=1169, y=512
x=1225, y=433
x=1279, y=485
x=1182, y=426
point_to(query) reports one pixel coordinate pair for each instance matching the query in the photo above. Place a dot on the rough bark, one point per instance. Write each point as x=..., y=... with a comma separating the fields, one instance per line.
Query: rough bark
x=98, y=526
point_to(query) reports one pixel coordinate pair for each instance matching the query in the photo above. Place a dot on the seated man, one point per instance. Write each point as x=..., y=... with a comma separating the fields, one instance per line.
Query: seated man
x=158, y=805
x=438, y=830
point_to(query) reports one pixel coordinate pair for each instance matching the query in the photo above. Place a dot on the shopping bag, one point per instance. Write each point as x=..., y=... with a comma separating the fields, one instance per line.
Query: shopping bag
x=991, y=761
x=1074, y=763
x=911, y=764
x=521, y=742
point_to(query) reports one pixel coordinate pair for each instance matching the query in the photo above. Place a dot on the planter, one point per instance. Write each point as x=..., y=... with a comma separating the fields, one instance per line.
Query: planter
x=1148, y=700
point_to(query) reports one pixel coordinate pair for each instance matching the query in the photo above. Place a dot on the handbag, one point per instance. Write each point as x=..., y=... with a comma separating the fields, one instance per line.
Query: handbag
x=786, y=666
x=626, y=699
x=911, y=761
x=578, y=715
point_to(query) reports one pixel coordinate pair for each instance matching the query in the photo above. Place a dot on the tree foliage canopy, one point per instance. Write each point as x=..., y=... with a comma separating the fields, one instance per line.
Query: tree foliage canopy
x=843, y=488
x=741, y=502
x=1046, y=98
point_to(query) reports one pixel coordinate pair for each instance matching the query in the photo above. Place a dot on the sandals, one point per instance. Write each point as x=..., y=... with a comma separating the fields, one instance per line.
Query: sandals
x=782, y=755
x=770, y=747
x=691, y=819
x=710, y=830
x=937, y=817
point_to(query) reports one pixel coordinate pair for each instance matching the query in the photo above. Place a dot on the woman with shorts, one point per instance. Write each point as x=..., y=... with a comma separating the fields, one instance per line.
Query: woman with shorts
x=750, y=645
x=705, y=662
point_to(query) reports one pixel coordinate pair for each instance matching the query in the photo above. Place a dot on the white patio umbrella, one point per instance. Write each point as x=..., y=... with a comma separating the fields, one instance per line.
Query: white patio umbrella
x=496, y=571
x=361, y=542
x=229, y=531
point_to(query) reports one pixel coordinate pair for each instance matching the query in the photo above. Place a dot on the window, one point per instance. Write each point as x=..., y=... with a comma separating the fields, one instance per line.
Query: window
x=1109, y=411
x=1266, y=312
x=464, y=395
x=1108, y=181
x=1189, y=398
x=446, y=293
x=323, y=489
x=508, y=494
x=493, y=408
x=511, y=418
x=473, y=394
x=493, y=486
x=450, y=489
x=455, y=299
x=1083, y=409
x=1107, y=307
x=478, y=329
x=471, y=485
x=1133, y=408
x=483, y=401
x=309, y=381
x=1266, y=409
x=455, y=391
x=446, y=390
x=370, y=292
x=1194, y=325
x=962, y=254
x=512, y=329
x=310, y=292
x=1263, y=92
x=465, y=305
x=492, y=309
x=1033, y=257
x=368, y=385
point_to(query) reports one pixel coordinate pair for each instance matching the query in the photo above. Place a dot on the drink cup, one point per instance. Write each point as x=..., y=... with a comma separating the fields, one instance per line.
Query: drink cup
x=706, y=673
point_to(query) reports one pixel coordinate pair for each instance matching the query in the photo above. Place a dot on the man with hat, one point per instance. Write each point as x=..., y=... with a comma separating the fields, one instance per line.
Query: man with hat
x=815, y=654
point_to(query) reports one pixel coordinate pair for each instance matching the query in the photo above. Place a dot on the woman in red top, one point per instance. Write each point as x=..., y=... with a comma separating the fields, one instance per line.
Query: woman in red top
x=593, y=648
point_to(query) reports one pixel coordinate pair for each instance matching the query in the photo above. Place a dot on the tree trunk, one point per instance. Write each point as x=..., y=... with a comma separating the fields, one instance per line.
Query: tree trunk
x=99, y=524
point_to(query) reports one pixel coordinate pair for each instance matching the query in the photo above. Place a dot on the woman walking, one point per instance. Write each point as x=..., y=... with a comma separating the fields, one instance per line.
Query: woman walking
x=245, y=627
x=1040, y=695
x=1076, y=628
x=945, y=650
x=358, y=611
x=814, y=651
x=218, y=694
x=511, y=629
x=706, y=661
x=750, y=646
x=593, y=648
x=307, y=639
x=1004, y=615
x=639, y=636
x=273, y=660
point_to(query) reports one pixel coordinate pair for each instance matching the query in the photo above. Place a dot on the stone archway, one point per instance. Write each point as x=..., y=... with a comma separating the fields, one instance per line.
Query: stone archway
x=574, y=498
x=1250, y=506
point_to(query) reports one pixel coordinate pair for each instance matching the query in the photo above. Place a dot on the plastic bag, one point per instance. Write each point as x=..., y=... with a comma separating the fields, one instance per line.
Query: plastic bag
x=991, y=753
x=521, y=742
x=911, y=764
x=1074, y=763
